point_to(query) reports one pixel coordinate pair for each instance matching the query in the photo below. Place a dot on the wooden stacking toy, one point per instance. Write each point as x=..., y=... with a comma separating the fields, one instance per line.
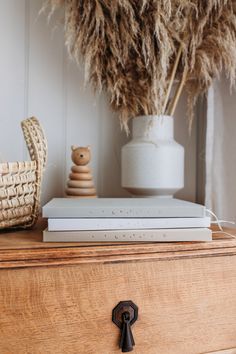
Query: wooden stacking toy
x=80, y=183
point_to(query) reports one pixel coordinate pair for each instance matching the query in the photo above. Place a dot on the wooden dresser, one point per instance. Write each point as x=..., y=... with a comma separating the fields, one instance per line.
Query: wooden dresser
x=58, y=298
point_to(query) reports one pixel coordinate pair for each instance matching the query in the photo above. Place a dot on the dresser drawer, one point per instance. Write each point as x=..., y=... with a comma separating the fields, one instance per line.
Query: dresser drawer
x=186, y=305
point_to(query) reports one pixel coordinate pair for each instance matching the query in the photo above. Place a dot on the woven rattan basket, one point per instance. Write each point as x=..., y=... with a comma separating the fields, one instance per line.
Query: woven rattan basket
x=20, y=182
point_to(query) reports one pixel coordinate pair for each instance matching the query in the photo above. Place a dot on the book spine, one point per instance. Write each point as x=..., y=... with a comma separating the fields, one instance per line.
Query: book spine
x=71, y=224
x=165, y=235
x=136, y=212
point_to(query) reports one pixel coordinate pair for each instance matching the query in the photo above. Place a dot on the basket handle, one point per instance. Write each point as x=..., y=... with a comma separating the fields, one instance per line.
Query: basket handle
x=35, y=141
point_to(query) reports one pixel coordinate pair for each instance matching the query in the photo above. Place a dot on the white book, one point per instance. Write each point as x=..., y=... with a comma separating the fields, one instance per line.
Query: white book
x=70, y=224
x=164, y=235
x=121, y=207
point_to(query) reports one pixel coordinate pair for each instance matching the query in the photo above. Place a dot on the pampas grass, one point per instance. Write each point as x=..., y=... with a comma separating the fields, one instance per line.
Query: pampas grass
x=134, y=50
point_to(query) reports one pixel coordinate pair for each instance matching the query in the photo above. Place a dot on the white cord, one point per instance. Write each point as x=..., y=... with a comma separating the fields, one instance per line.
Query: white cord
x=223, y=221
x=219, y=222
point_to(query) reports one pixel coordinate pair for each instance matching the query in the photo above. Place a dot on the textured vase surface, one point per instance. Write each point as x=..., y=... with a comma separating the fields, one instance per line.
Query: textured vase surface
x=152, y=162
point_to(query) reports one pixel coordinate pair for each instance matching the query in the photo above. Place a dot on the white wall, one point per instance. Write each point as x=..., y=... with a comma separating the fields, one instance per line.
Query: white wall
x=38, y=78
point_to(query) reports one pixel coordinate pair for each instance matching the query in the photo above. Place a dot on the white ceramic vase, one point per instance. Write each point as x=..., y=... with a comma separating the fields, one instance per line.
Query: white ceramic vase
x=152, y=163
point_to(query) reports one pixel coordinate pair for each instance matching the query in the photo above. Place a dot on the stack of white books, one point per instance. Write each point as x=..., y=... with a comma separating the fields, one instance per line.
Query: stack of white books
x=125, y=219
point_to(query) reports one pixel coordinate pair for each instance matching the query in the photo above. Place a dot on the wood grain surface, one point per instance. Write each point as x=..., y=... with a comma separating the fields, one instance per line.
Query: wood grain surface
x=185, y=307
x=25, y=248
x=58, y=298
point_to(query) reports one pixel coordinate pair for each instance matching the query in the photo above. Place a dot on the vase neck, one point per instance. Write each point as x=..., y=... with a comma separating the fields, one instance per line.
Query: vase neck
x=158, y=127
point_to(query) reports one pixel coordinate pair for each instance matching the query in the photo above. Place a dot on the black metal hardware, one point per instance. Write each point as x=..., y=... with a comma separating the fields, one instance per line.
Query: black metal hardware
x=124, y=315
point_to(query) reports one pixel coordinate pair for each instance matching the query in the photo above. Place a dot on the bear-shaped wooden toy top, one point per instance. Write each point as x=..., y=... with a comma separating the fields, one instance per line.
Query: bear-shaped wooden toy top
x=80, y=183
x=80, y=155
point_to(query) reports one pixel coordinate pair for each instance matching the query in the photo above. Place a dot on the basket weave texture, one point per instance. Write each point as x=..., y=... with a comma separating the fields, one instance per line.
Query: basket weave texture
x=20, y=182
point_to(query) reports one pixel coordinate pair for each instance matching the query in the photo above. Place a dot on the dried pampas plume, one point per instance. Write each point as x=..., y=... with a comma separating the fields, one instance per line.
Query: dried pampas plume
x=136, y=50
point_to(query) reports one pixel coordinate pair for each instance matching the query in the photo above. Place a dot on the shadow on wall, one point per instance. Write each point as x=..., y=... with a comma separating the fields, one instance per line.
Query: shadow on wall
x=111, y=141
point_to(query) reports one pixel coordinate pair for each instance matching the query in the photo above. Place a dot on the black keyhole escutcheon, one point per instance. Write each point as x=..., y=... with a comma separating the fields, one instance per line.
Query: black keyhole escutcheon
x=124, y=315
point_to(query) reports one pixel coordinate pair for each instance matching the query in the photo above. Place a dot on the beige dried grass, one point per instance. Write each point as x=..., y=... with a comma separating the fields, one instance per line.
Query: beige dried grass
x=129, y=47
